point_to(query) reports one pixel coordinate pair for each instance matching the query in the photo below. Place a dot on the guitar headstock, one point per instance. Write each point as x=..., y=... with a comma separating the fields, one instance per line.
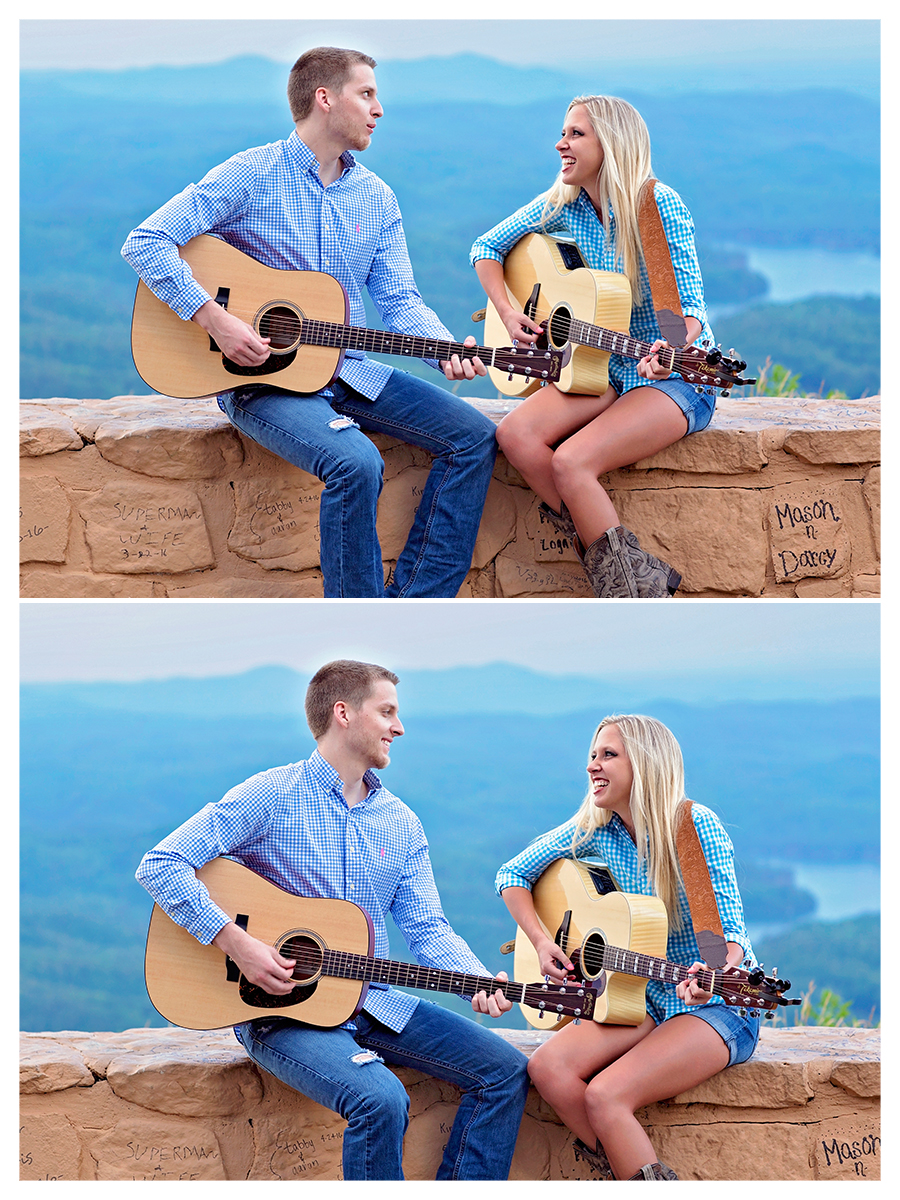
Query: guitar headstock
x=573, y=999
x=542, y=363
x=752, y=989
x=712, y=368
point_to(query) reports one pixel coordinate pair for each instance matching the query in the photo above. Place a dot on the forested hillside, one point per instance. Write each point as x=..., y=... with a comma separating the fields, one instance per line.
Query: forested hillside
x=104, y=778
x=101, y=150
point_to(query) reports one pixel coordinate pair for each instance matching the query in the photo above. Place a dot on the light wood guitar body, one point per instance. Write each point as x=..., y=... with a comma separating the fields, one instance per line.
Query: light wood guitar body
x=177, y=358
x=566, y=292
x=189, y=983
x=633, y=922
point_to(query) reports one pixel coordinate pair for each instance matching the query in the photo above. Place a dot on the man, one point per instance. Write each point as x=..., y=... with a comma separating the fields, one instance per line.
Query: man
x=327, y=827
x=306, y=204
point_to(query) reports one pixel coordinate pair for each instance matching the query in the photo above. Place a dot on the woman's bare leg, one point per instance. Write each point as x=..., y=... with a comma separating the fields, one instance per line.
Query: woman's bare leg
x=677, y=1055
x=596, y=1077
x=527, y=435
x=562, y=1067
x=640, y=423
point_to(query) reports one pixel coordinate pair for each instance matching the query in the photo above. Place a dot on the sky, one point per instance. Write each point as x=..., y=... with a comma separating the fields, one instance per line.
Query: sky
x=822, y=648
x=784, y=43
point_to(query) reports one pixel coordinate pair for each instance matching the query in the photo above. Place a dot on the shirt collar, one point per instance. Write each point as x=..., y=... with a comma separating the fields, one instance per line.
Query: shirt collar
x=332, y=782
x=308, y=160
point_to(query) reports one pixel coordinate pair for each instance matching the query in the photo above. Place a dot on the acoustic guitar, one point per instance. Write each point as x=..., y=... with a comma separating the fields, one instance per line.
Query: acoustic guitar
x=589, y=311
x=616, y=941
x=304, y=313
x=199, y=987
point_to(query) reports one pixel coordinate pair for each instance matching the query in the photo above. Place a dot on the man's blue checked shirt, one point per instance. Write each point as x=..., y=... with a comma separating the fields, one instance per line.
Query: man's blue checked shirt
x=270, y=203
x=612, y=844
x=292, y=826
x=579, y=221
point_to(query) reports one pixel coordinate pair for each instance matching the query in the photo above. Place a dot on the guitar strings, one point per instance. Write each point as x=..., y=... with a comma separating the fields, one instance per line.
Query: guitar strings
x=363, y=967
x=313, y=332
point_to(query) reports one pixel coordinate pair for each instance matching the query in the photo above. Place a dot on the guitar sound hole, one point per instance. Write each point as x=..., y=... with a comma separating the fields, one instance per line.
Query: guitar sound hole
x=559, y=326
x=592, y=954
x=282, y=325
x=308, y=955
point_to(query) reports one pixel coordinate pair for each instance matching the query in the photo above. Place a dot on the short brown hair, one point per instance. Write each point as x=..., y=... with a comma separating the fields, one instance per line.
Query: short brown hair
x=343, y=679
x=326, y=66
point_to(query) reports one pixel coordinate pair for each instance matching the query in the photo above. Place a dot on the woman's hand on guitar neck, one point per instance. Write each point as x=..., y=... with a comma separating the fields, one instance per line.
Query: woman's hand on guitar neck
x=258, y=962
x=234, y=337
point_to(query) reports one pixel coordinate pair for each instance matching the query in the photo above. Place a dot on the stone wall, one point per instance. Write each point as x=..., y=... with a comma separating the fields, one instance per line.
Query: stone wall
x=171, y=1104
x=142, y=496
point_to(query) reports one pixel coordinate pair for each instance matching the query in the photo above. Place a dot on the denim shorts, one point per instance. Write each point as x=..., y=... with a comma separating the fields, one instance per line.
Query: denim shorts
x=697, y=403
x=740, y=1034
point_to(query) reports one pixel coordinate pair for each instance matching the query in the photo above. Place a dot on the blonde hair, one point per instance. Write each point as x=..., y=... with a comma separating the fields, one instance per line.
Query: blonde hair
x=626, y=167
x=657, y=792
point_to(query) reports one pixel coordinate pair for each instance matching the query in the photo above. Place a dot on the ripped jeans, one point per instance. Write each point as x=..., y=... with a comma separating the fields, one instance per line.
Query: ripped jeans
x=307, y=430
x=345, y=1072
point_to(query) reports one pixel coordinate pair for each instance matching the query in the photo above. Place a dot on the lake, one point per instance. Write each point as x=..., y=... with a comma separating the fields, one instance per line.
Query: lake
x=798, y=274
x=840, y=891
x=795, y=274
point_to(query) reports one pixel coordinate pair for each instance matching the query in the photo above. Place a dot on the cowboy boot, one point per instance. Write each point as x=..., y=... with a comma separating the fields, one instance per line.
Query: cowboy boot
x=655, y=1170
x=654, y=577
x=595, y=1159
x=608, y=567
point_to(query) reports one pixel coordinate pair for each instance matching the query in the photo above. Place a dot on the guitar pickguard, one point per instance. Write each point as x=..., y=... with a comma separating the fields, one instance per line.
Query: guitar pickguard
x=255, y=997
x=273, y=364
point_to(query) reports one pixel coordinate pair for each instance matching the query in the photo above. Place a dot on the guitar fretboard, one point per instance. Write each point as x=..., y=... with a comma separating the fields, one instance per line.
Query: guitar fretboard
x=341, y=964
x=646, y=966
x=378, y=341
x=614, y=342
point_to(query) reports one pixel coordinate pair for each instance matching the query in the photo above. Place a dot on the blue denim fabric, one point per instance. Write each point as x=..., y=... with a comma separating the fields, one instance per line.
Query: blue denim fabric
x=697, y=403
x=740, y=1034
x=332, y=1067
x=300, y=429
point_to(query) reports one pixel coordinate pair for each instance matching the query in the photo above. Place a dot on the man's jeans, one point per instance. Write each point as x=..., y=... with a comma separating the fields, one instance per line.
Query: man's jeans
x=345, y=1072
x=307, y=431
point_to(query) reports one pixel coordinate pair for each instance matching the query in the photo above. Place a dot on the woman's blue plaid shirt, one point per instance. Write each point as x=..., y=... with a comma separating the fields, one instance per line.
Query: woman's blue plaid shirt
x=579, y=221
x=292, y=826
x=612, y=844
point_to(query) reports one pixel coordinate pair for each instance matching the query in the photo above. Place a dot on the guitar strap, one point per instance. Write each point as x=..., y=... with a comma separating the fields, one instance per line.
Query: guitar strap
x=698, y=885
x=663, y=287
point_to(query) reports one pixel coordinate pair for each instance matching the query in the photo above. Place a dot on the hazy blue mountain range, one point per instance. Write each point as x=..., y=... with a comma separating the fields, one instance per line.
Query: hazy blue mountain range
x=107, y=770
x=465, y=141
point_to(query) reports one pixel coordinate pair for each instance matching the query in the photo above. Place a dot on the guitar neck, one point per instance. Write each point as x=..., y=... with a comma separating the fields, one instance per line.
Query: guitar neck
x=614, y=342
x=341, y=964
x=379, y=341
x=645, y=966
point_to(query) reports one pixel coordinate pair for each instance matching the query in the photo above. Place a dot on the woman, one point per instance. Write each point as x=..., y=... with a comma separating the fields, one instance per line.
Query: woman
x=595, y=1075
x=561, y=442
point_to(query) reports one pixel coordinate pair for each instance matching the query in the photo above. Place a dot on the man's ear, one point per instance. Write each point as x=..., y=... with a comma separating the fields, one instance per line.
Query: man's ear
x=340, y=714
x=323, y=99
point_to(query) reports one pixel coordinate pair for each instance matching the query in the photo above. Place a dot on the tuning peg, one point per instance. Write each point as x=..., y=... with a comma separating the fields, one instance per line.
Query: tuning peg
x=770, y=1016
